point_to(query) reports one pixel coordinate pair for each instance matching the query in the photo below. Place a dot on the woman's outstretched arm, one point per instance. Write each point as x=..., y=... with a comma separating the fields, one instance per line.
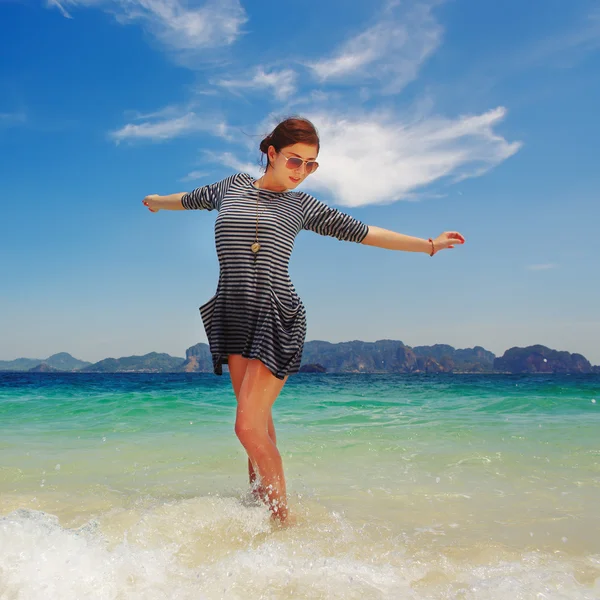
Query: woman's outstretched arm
x=205, y=197
x=154, y=202
x=384, y=238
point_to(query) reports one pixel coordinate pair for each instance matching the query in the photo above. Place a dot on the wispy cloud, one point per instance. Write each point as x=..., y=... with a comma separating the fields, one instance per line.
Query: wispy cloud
x=12, y=119
x=60, y=7
x=282, y=83
x=390, y=52
x=194, y=176
x=570, y=45
x=541, y=267
x=380, y=158
x=172, y=22
x=161, y=128
x=230, y=160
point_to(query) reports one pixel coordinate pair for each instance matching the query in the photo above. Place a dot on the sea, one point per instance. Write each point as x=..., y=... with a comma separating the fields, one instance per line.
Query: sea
x=404, y=486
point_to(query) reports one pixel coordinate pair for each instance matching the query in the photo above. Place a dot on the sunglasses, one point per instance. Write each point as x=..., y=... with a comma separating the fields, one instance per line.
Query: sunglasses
x=294, y=162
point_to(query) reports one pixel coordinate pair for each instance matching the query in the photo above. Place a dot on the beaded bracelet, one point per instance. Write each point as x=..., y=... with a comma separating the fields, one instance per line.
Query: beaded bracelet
x=432, y=247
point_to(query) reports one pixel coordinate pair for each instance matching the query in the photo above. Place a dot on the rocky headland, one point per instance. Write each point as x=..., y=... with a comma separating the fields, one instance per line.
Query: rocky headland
x=382, y=356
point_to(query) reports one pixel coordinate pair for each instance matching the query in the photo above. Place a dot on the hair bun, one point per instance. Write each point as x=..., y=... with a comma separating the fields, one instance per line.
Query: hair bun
x=264, y=145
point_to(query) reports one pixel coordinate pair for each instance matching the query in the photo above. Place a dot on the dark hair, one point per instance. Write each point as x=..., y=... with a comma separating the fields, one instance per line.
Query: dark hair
x=293, y=130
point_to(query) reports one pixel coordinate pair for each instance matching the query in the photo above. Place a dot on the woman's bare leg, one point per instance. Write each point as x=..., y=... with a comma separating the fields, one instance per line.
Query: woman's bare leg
x=260, y=492
x=258, y=393
x=237, y=370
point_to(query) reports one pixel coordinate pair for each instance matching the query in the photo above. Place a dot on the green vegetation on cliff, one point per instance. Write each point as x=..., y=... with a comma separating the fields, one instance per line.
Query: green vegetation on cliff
x=153, y=362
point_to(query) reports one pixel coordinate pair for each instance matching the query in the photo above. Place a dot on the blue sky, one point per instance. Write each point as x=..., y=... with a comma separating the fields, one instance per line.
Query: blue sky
x=464, y=115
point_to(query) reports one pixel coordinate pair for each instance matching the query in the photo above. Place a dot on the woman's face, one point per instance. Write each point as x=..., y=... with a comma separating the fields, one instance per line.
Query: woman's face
x=283, y=175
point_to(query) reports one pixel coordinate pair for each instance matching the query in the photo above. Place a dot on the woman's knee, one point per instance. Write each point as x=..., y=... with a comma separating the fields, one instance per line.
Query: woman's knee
x=252, y=437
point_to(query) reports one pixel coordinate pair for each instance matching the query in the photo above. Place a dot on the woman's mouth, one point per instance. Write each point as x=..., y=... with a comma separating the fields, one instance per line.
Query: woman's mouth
x=296, y=179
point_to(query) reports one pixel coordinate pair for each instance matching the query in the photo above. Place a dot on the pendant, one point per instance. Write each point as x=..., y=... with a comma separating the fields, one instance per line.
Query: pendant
x=255, y=247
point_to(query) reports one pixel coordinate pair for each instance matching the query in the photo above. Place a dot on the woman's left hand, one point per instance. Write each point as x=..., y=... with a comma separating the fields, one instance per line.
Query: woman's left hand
x=447, y=240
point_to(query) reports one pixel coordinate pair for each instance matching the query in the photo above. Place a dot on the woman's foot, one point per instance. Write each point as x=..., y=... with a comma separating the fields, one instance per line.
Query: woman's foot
x=290, y=520
x=258, y=493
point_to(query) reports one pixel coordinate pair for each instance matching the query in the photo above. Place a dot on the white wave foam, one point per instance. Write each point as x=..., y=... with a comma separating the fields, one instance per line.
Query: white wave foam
x=211, y=547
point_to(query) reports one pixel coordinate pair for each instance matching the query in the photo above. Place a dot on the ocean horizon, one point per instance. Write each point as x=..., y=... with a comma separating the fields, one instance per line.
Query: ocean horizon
x=404, y=486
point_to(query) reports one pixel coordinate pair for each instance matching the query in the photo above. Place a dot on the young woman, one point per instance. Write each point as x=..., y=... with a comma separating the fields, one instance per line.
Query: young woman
x=255, y=322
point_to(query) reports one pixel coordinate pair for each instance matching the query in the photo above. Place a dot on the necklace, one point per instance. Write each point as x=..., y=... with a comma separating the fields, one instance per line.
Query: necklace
x=256, y=246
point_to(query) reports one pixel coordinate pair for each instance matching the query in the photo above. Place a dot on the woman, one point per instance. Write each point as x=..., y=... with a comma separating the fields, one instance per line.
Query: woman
x=255, y=322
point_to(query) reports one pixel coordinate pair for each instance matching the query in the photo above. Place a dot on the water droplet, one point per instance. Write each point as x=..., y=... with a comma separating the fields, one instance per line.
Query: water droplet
x=57, y=467
x=103, y=439
x=564, y=540
x=531, y=533
x=191, y=422
x=437, y=479
x=593, y=400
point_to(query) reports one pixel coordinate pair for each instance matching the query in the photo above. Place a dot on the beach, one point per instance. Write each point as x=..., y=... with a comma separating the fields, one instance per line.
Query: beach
x=404, y=486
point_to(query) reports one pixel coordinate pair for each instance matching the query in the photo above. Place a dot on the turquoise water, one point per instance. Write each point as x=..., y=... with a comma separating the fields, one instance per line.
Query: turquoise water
x=405, y=486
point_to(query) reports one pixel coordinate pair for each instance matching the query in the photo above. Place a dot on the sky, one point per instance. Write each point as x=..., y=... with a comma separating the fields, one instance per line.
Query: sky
x=469, y=116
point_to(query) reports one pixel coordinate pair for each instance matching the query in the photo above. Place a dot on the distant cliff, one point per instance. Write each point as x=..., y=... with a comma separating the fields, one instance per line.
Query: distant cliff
x=393, y=356
x=540, y=359
x=382, y=356
x=198, y=359
x=62, y=361
x=154, y=362
x=443, y=358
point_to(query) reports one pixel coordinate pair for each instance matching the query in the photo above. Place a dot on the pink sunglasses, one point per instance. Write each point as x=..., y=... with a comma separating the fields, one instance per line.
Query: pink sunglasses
x=294, y=162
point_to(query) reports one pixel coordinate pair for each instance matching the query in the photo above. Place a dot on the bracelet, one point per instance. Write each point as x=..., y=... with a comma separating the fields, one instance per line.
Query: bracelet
x=432, y=247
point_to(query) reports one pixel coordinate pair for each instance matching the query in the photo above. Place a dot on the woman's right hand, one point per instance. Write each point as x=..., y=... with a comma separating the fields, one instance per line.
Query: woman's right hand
x=151, y=202
x=447, y=240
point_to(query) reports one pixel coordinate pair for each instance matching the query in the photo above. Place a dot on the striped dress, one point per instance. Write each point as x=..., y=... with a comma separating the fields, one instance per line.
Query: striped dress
x=255, y=310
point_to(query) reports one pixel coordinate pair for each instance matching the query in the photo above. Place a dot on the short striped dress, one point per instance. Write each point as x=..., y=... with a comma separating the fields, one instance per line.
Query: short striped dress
x=255, y=310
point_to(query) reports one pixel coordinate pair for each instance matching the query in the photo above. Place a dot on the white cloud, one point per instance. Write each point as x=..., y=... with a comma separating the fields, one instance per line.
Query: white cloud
x=282, y=83
x=228, y=159
x=172, y=22
x=169, y=128
x=194, y=176
x=379, y=158
x=160, y=130
x=391, y=51
x=542, y=267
